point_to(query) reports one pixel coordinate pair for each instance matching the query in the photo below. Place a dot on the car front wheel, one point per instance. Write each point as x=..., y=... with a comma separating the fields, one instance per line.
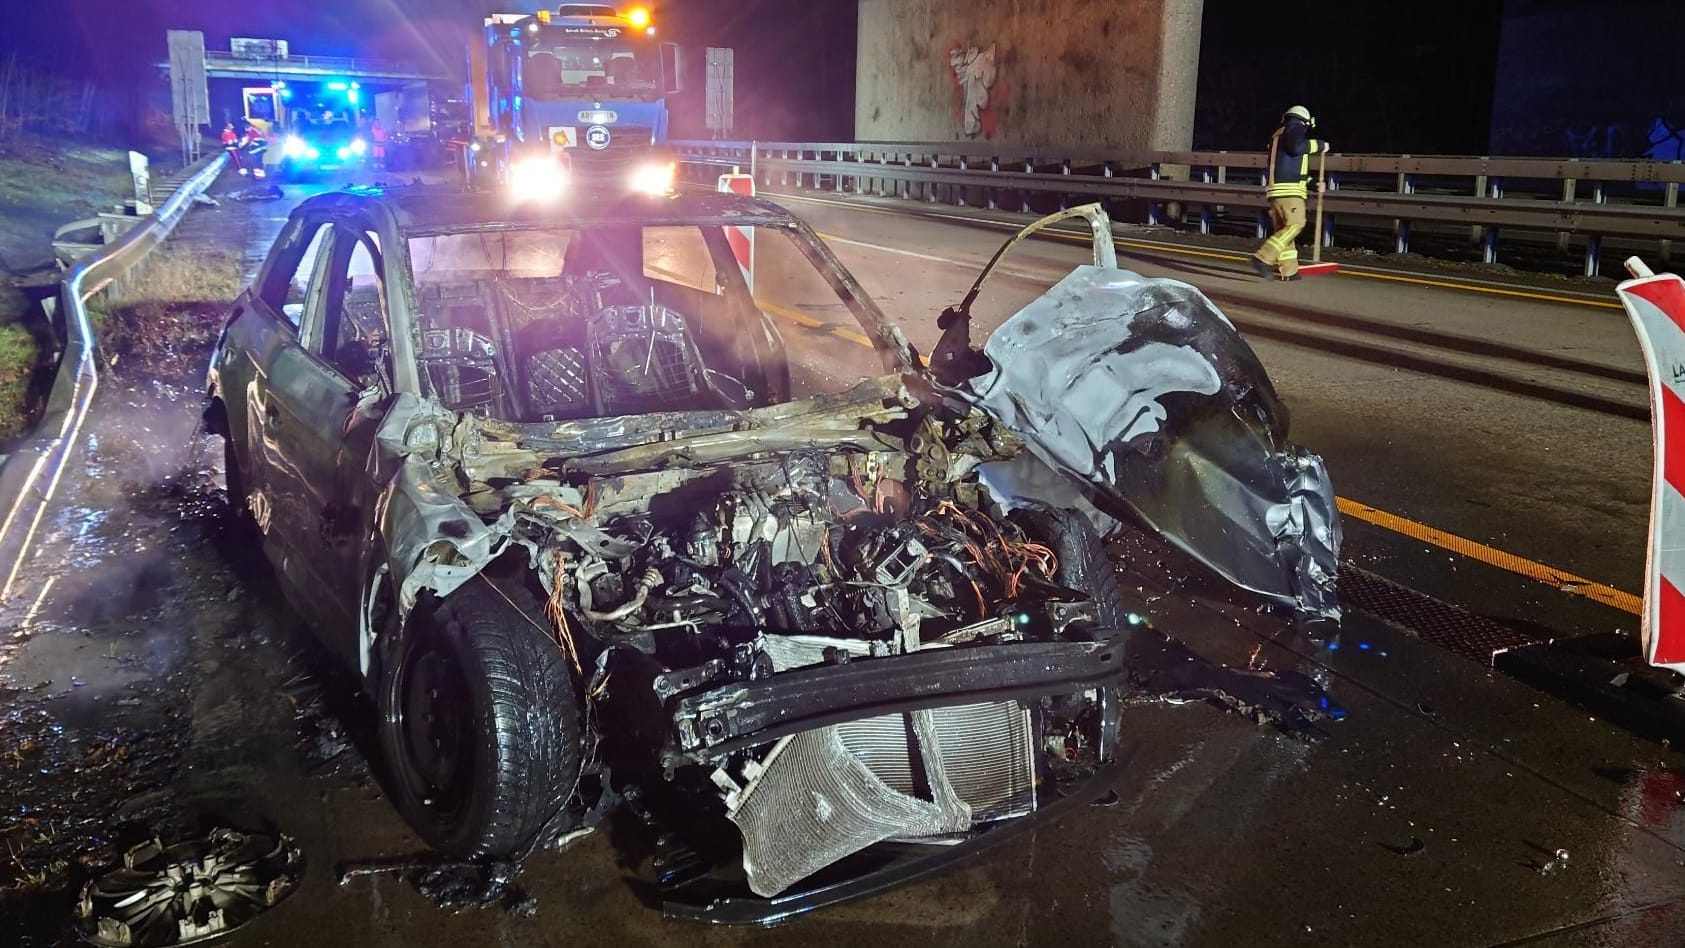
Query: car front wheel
x=479, y=721
x=1083, y=563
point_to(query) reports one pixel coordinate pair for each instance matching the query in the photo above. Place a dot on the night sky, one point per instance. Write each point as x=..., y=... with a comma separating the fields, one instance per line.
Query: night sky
x=1422, y=83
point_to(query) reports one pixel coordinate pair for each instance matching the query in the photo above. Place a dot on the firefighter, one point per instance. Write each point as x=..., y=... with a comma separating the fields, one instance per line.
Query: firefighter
x=1291, y=148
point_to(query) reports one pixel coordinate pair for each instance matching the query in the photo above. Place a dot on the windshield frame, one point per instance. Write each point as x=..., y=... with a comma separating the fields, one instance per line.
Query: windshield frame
x=887, y=338
x=894, y=351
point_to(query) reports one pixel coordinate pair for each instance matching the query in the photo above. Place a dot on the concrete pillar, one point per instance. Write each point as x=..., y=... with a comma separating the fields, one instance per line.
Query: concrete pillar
x=1117, y=77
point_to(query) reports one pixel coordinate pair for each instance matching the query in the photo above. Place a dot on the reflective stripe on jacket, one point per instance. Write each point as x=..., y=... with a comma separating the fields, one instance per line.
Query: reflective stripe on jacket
x=1291, y=148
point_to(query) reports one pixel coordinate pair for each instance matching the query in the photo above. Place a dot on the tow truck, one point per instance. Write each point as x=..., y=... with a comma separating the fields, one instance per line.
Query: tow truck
x=571, y=98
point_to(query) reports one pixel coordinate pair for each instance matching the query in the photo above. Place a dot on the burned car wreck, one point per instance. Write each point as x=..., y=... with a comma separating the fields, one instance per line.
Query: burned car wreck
x=547, y=479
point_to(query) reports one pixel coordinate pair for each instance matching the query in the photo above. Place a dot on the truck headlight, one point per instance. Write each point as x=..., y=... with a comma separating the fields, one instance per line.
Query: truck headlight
x=537, y=178
x=654, y=179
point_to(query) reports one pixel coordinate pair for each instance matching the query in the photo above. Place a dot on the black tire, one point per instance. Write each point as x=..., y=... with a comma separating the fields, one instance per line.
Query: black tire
x=1083, y=563
x=479, y=722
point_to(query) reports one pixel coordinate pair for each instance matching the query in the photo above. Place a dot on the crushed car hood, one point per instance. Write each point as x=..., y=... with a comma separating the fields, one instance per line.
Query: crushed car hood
x=1145, y=392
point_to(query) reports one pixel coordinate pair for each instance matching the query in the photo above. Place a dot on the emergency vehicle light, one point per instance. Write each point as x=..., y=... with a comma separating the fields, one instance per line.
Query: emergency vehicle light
x=544, y=16
x=638, y=16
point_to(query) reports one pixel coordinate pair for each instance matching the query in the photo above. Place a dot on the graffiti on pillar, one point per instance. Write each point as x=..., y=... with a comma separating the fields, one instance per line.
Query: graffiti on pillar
x=974, y=70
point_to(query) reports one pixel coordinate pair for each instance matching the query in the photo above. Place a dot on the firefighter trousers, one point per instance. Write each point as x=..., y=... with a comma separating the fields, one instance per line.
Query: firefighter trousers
x=1280, y=251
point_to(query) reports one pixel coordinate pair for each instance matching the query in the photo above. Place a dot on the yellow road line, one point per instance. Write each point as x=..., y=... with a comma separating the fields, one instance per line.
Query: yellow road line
x=799, y=318
x=1565, y=581
x=852, y=336
x=1494, y=290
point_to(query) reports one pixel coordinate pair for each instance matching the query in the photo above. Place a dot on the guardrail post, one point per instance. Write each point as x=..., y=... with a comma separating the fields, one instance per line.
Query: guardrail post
x=1489, y=240
x=1670, y=199
x=1327, y=235
x=1064, y=198
x=904, y=189
x=1567, y=198
x=1476, y=232
x=1024, y=196
x=989, y=193
x=1205, y=209
x=931, y=192
x=959, y=190
x=1594, y=243
x=1400, y=226
x=1152, y=205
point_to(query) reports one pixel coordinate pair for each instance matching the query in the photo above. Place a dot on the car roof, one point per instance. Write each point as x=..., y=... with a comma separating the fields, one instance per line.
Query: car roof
x=436, y=209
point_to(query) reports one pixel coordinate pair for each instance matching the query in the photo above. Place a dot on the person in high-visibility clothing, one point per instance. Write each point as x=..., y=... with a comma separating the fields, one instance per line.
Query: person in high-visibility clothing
x=377, y=132
x=1291, y=148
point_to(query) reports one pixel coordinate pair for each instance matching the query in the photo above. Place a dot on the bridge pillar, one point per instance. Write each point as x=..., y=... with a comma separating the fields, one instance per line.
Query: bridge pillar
x=1117, y=77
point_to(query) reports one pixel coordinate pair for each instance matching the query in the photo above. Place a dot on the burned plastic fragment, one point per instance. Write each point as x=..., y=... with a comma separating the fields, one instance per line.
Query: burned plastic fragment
x=188, y=892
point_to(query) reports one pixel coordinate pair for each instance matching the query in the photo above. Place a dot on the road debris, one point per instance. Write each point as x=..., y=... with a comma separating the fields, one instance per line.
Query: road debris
x=1556, y=863
x=188, y=892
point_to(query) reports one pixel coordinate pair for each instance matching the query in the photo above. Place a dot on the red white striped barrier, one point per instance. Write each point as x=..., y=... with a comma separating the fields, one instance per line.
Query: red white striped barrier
x=1656, y=306
x=742, y=239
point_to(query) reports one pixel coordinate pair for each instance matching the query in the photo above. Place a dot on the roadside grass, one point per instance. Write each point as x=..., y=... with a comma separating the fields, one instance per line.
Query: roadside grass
x=170, y=311
x=44, y=182
x=19, y=355
x=37, y=172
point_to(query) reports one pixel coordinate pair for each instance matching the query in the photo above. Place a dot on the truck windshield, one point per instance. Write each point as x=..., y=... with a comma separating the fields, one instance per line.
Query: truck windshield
x=605, y=68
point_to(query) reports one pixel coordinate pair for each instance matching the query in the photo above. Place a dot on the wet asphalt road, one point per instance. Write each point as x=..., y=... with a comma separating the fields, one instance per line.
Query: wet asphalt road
x=1432, y=814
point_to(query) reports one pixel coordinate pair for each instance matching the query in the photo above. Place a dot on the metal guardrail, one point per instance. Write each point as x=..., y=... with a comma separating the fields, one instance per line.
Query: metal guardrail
x=325, y=65
x=1486, y=194
x=30, y=475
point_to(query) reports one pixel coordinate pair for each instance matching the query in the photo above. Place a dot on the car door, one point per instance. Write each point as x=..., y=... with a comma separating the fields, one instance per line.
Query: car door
x=326, y=397
x=265, y=345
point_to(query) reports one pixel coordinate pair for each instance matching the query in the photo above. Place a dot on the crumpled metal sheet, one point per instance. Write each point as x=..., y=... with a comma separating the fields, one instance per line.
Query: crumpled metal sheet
x=1144, y=390
x=816, y=803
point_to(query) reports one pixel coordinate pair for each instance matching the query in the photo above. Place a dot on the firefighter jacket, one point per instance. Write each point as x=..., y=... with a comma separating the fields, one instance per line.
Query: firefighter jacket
x=1291, y=148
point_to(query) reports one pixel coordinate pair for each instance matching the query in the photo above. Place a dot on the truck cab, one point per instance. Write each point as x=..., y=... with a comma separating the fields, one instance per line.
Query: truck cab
x=578, y=94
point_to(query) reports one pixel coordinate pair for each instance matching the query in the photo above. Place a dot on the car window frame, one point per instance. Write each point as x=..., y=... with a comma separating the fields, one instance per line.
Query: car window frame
x=344, y=236
x=283, y=267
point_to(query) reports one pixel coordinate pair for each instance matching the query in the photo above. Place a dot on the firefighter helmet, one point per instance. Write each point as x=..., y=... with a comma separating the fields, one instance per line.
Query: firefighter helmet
x=1301, y=113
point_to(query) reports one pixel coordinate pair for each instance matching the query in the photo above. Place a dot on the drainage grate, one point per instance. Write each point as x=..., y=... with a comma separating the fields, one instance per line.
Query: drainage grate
x=1450, y=627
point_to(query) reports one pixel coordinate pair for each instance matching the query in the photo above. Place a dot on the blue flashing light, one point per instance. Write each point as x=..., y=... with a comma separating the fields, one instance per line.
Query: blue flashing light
x=1333, y=646
x=351, y=96
x=338, y=86
x=1363, y=645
